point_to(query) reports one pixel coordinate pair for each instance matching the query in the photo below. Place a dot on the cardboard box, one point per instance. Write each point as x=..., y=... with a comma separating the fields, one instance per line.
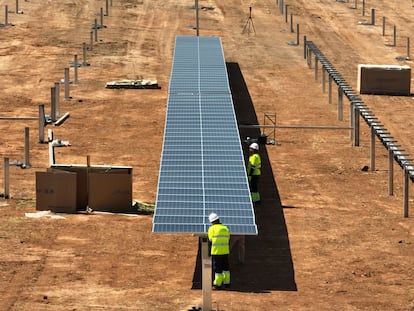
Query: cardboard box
x=384, y=79
x=110, y=192
x=72, y=188
x=56, y=191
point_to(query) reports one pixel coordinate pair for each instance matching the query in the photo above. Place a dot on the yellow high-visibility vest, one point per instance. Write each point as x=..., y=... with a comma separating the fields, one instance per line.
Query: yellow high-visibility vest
x=255, y=164
x=219, y=236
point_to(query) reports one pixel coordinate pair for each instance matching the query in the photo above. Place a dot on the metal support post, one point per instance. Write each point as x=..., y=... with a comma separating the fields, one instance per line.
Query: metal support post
x=6, y=178
x=101, y=16
x=106, y=8
x=316, y=67
x=390, y=172
x=297, y=34
x=363, y=8
x=57, y=99
x=408, y=49
x=286, y=12
x=75, y=69
x=304, y=47
x=406, y=191
x=84, y=63
x=383, y=26
x=96, y=30
x=323, y=78
x=66, y=81
x=206, y=275
x=91, y=41
x=340, y=104
x=42, y=123
x=373, y=16
x=372, y=149
x=53, y=103
x=330, y=89
x=394, y=33
x=6, y=17
x=26, y=162
x=356, y=126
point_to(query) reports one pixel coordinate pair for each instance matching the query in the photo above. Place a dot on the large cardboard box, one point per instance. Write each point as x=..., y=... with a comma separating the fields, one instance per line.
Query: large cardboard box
x=56, y=191
x=384, y=79
x=110, y=192
x=72, y=188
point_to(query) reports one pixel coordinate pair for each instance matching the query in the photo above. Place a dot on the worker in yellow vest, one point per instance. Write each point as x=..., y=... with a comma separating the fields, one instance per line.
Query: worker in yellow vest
x=219, y=238
x=254, y=167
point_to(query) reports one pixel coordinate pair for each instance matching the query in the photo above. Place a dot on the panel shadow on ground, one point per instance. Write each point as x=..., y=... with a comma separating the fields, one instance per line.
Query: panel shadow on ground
x=268, y=262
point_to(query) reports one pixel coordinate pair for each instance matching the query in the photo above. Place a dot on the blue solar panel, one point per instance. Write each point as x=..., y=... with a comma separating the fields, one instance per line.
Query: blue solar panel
x=202, y=166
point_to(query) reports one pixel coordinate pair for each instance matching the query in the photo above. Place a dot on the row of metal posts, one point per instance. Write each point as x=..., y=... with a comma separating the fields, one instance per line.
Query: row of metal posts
x=55, y=116
x=284, y=8
x=358, y=108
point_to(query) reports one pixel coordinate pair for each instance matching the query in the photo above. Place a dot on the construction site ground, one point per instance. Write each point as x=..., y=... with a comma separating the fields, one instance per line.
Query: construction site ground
x=331, y=237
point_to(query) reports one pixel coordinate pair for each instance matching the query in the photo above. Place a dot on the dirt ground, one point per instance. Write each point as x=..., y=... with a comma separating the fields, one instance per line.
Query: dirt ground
x=330, y=235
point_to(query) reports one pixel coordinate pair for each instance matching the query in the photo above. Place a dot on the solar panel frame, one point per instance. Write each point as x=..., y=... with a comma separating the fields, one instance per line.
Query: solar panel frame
x=202, y=167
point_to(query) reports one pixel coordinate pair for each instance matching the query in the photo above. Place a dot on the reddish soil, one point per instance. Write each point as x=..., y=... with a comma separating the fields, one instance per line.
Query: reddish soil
x=330, y=235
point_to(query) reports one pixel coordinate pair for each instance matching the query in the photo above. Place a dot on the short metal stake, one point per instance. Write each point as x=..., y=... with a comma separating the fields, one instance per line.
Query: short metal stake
x=7, y=165
x=75, y=69
x=101, y=15
x=66, y=81
x=373, y=17
x=91, y=41
x=286, y=12
x=96, y=30
x=42, y=123
x=406, y=191
x=84, y=63
x=6, y=178
x=363, y=7
x=390, y=172
x=53, y=103
x=26, y=162
x=6, y=20
x=57, y=99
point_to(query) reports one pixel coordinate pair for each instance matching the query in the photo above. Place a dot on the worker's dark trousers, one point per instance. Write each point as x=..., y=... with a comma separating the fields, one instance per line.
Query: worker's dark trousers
x=221, y=269
x=254, y=188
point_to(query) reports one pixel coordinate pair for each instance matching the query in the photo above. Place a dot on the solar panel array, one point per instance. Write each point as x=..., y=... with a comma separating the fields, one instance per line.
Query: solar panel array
x=202, y=165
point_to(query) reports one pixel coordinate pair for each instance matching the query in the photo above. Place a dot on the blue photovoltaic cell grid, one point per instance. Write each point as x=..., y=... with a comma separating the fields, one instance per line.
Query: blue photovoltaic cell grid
x=202, y=165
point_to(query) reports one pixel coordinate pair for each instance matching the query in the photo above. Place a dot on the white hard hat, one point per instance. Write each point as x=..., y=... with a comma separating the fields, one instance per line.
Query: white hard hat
x=254, y=146
x=213, y=217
